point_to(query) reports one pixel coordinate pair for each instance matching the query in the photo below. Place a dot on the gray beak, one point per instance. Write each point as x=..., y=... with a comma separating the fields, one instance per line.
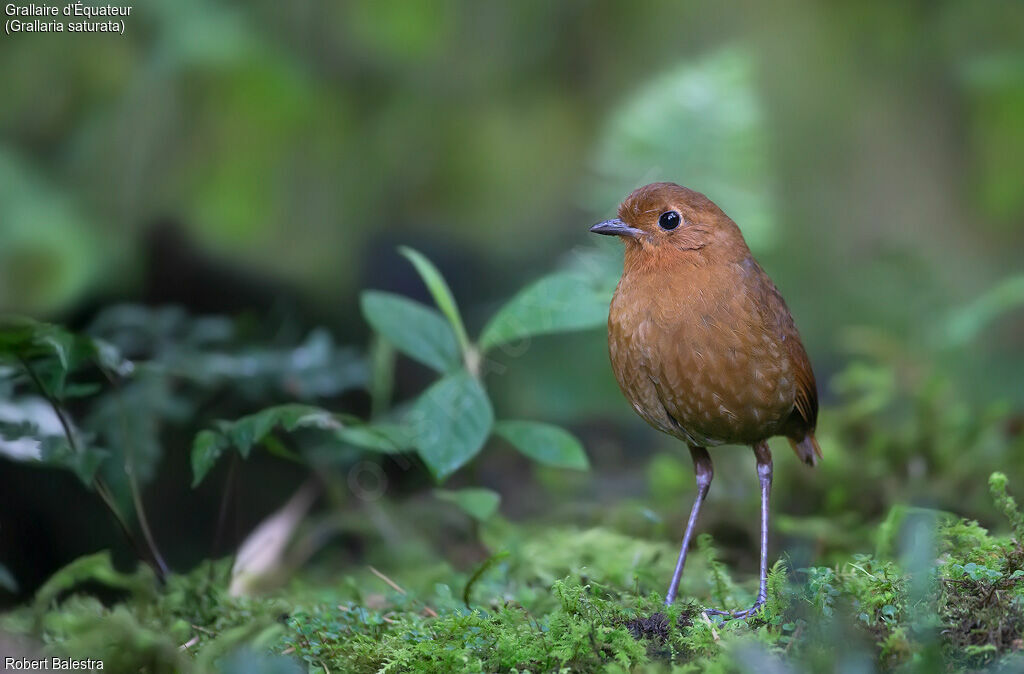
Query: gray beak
x=616, y=227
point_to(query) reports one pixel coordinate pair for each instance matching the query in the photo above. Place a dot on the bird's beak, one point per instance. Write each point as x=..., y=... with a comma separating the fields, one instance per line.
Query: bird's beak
x=616, y=227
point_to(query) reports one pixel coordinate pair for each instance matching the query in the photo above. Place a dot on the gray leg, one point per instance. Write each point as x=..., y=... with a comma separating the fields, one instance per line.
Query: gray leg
x=764, y=475
x=705, y=471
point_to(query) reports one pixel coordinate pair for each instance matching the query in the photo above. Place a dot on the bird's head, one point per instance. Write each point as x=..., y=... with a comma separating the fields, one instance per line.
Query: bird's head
x=668, y=221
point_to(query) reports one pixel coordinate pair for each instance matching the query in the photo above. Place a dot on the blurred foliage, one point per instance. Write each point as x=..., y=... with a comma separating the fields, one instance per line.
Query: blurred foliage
x=48, y=252
x=704, y=120
x=296, y=140
x=176, y=362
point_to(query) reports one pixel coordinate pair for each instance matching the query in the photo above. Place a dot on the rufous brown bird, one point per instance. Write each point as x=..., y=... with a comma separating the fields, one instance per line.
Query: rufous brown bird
x=703, y=345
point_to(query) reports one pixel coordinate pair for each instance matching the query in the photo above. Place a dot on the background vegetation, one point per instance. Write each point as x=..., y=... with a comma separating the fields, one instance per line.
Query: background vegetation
x=257, y=381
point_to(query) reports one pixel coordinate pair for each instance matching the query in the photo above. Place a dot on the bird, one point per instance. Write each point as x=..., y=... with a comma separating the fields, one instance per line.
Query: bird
x=704, y=347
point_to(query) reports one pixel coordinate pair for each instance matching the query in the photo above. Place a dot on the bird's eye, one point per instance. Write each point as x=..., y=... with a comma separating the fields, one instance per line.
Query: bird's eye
x=669, y=220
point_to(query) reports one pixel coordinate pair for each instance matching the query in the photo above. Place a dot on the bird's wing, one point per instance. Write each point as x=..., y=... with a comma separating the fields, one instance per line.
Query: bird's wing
x=776, y=313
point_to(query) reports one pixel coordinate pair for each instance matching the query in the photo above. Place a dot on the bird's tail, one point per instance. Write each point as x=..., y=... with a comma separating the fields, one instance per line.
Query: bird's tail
x=806, y=448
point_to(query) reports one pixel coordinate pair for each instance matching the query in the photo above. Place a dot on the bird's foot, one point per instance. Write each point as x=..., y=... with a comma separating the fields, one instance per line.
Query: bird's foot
x=745, y=613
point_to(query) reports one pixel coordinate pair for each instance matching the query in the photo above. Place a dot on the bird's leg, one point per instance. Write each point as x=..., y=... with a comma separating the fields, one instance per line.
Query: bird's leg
x=704, y=470
x=764, y=475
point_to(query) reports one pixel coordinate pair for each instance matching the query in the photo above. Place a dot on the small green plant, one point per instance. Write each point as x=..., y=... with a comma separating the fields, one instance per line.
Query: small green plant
x=450, y=422
x=122, y=402
x=44, y=358
x=95, y=402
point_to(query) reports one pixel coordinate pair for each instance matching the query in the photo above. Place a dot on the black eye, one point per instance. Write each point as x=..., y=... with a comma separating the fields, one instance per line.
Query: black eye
x=669, y=220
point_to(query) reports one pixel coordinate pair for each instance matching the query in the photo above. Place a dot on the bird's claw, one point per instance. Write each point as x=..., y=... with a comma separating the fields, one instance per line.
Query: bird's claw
x=745, y=613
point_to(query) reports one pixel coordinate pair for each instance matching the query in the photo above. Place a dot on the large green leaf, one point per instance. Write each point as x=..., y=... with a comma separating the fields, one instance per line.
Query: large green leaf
x=207, y=448
x=381, y=359
x=53, y=353
x=563, y=301
x=25, y=338
x=476, y=502
x=440, y=291
x=544, y=443
x=417, y=331
x=251, y=430
x=450, y=423
x=379, y=437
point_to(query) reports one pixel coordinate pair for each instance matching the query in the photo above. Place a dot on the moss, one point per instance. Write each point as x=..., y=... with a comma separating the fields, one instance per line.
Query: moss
x=566, y=600
x=587, y=631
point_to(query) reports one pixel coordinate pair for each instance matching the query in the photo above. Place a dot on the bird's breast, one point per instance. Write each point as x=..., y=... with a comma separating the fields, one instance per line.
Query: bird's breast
x=698, y=358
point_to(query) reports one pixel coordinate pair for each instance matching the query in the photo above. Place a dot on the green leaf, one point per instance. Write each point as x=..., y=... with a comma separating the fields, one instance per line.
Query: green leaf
x=54, y=353
x=417, y=331
x=49, y=347
x=25, y=338
x=52, y=377
x=450, y=422
x=109, y=357
x=247, y=431
x=544, y=443
x=478, y=503
x=206, y=449
x=277, y=448
x=561, y=302
x=251, y=430
x=440, y=291
x=61, y=341
x=382, y=375
x=381, y=437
